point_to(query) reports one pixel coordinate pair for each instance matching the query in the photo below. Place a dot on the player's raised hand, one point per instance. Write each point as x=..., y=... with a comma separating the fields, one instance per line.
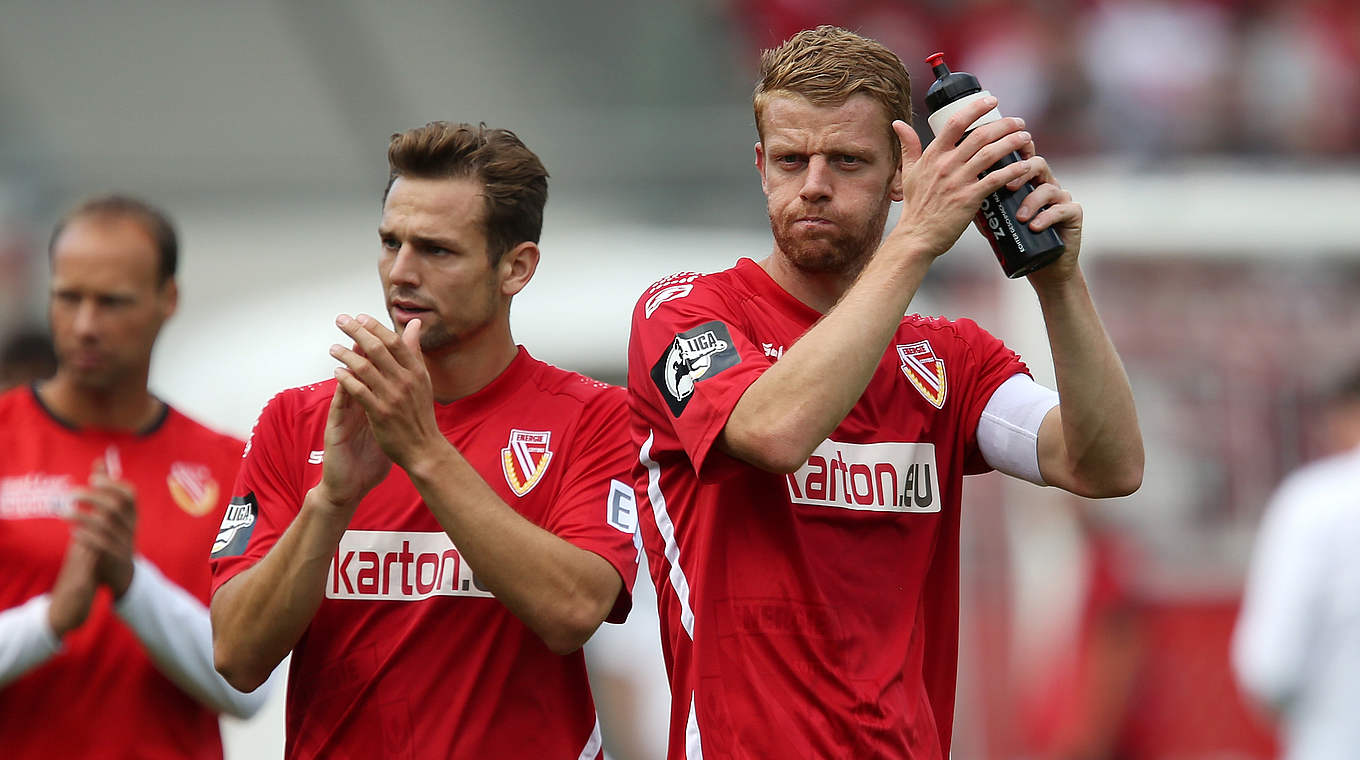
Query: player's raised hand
x=105, y=523
x=385, y=373
x=940, y=189
x=353, y=462
x=1049, y=206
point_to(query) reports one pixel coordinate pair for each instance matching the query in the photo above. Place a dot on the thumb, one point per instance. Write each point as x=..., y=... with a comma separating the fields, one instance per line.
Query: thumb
x=410, y=336
x=911, y=153
x=909, y=140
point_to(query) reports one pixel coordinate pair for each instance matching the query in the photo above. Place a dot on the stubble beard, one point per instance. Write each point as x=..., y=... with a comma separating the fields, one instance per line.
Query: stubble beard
x=844, y=252
x=439, y=336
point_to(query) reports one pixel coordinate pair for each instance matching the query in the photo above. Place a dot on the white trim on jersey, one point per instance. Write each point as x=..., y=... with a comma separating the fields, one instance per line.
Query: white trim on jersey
x=694, y=748
x=593, y=745
x=174, y=627
x=26, y=638
x=1008, y=430
x=667, y=529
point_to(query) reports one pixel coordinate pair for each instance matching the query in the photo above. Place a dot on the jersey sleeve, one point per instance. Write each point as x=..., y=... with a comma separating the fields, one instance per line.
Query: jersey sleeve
x=594, y=509
x=265, y=499
x=988, y=363
x=689, y=362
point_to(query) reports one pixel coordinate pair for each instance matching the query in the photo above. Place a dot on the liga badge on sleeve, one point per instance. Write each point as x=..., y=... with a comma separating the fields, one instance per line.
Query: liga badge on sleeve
x=925, y=370
x=525, y=458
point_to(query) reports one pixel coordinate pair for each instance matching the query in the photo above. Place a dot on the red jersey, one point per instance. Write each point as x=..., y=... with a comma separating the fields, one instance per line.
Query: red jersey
x=101, y=696
x=408, y=656
x=813, y=614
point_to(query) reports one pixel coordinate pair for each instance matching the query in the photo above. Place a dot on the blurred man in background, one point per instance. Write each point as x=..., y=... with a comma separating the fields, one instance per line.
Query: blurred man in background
x=436, y=608
x=103, y=486
x=803, y=445
x=1296, y=648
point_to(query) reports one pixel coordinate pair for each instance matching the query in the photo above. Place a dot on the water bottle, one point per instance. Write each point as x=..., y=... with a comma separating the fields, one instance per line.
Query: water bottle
x=1018, y=249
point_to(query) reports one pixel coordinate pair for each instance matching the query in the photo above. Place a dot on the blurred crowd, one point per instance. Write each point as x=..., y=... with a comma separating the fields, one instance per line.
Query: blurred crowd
x=1131, y=80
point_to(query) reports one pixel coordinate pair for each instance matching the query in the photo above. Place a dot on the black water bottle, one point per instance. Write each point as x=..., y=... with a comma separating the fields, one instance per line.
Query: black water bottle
x=1018, y=249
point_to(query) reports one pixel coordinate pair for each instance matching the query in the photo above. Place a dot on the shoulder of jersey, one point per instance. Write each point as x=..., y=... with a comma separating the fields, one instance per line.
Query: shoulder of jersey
x=12, y=400
x=304, y=397
x=228, y=442
x=585, y=389
x=678, y=286
x=959, y=328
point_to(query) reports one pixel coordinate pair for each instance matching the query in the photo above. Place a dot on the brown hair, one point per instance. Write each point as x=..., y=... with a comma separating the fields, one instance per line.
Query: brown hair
x=514, y=182
x=828, y=65
x=155, y=222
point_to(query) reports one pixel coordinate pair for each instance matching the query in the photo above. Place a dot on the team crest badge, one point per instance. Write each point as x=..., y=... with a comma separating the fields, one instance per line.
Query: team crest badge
x=192, y=487
x=525, y=458
x=925, y=370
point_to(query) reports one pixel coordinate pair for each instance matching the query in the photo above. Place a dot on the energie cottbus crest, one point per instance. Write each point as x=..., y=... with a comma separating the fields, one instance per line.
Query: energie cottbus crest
x=525, y=458
x=925, y=370
x=193, y=488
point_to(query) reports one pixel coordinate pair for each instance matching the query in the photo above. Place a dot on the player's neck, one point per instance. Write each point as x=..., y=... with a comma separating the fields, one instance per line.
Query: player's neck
x=818, y=290
x=126, y=407
x=464, y=369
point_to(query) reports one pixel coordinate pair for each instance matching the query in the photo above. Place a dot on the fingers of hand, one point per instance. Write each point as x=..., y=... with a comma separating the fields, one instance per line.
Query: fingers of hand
x=409, y=346
x=97, y=534
x=1061, y=215
x=1000, y=178
x=371, y=340
x=990, y=133
x=353, y=388
x=120, y=492
x=339, y=401
x=1043, y=195
x=1040, y=172
x=958, y=123
x=356, y=363
x=993, y=152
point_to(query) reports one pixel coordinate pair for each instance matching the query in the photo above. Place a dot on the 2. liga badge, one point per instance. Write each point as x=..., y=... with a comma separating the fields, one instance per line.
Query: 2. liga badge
x=525, y=458
x=925, y=371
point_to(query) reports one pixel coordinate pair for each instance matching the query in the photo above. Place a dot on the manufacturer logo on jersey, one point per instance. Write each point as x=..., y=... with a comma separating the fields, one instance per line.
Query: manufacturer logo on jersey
x=772, y=351
x=193, y=488
x=693, y=356
x=525, y=458
x=877, y=477
x=668, y=293
x=925, y=370
x=400, y=566
x=35, y=495
x=666, y=289
x=237, y=525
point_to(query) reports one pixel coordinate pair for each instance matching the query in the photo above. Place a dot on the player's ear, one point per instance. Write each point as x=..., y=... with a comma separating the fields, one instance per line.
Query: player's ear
x=760, y=165
x=517, y=267
x=168, y=296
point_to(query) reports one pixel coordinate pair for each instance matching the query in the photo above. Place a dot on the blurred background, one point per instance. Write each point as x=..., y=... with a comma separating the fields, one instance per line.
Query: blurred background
x=1215, y=145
